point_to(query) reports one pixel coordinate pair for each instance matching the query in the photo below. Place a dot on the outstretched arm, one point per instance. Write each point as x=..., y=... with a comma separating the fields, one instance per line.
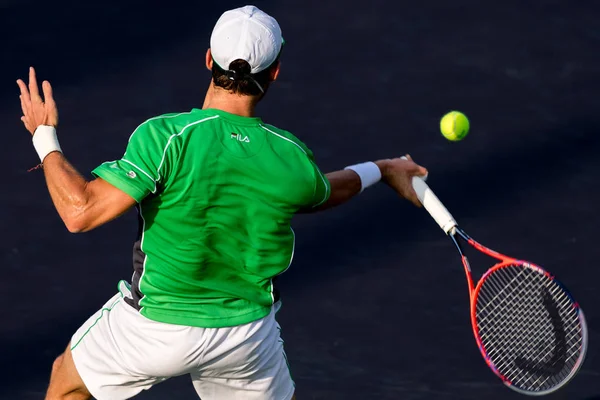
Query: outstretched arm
x=396, y=173
x=82, y=205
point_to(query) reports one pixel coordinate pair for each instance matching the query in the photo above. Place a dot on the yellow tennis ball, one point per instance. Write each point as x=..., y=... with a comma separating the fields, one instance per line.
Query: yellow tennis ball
x=454, y=126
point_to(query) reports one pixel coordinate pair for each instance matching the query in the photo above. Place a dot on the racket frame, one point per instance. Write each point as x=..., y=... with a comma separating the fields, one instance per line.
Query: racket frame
x=449, y=225
x=474, y=289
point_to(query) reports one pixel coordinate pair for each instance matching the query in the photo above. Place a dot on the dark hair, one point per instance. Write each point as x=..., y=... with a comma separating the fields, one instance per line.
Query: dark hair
x=239, y=80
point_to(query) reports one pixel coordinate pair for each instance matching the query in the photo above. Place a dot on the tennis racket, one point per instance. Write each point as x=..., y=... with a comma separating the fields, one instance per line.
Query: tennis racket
x=529, y=329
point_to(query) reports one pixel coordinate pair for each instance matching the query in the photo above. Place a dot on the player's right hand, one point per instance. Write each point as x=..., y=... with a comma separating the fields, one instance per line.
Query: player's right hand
x=398, y=173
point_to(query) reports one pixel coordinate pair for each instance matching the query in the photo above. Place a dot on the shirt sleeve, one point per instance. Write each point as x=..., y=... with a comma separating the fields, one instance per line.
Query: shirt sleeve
x=322, y=184
x=144, y=165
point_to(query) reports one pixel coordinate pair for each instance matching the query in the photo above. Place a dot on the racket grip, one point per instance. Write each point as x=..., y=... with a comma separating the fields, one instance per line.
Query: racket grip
x=433, y=205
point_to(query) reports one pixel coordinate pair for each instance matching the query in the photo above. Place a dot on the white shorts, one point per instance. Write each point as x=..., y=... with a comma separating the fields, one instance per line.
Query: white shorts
x=118, y=353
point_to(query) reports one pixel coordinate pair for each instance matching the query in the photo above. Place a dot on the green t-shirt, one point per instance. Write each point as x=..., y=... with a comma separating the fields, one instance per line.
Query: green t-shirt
x=216, y=193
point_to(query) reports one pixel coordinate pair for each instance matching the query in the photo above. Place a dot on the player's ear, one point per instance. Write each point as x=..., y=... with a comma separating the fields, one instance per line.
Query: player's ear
x=275, y=71
x=209, y=60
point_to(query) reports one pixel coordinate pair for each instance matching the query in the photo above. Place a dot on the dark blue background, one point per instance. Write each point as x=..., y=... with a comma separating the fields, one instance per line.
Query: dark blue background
x=375, y=304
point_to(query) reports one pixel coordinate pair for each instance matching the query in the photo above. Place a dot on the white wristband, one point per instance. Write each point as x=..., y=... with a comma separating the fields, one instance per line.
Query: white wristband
x=368, y=172
x=45, y=141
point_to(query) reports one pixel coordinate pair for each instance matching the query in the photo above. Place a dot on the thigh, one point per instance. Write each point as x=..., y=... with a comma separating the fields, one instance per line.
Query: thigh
x=108, y=354
x=65, y=380
x=249, y=363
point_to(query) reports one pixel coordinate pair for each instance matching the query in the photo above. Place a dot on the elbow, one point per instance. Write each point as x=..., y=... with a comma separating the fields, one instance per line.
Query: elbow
x=77, y=216
x=76, y=222
x=74, y=225
x=75, y=229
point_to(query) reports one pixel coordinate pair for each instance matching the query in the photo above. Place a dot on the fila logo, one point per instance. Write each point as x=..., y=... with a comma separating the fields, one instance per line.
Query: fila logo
x=240, y=138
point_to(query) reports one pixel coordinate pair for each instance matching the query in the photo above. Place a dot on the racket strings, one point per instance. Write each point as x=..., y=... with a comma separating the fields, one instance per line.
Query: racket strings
x=528, y=327
x=529, y=349
x=518, y=320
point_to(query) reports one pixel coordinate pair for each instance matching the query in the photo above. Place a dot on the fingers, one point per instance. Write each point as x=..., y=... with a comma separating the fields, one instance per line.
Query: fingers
x=36, y=112
x=25, y=99
x=47, y=89
x=413, y=169
x=415, y=200
x=411, y=196
x=26, y=123
x=24, y=105
x=33, y=86
x=416, y=169
x=50, y=104
x=24, y=91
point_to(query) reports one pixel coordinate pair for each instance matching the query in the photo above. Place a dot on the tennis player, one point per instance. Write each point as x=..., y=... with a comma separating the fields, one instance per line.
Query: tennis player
x=215, y=189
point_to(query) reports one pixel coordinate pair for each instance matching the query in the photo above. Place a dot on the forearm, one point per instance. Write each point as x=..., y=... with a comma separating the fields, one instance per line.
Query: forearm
x=68, y=189
x=345, y=184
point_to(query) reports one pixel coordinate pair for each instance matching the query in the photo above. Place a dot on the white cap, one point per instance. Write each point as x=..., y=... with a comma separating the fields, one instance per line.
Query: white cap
x=249, y=34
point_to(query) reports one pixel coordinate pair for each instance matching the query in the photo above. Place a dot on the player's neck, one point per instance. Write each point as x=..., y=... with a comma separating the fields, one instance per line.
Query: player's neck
x=232, y=103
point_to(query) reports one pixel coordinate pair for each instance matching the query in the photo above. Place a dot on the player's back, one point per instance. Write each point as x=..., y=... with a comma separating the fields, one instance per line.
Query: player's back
x=216, y=230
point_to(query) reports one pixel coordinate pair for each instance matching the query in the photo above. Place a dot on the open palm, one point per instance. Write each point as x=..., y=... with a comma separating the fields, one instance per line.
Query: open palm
x=37, y=111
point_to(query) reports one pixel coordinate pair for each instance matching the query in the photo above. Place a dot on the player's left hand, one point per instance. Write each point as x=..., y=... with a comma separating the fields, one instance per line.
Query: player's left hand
x=37, y=111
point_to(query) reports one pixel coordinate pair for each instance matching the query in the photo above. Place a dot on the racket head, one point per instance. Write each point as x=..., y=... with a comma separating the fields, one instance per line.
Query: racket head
x=529, y=329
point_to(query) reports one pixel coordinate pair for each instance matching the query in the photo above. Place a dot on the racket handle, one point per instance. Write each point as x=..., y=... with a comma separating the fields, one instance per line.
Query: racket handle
x=433, y=205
